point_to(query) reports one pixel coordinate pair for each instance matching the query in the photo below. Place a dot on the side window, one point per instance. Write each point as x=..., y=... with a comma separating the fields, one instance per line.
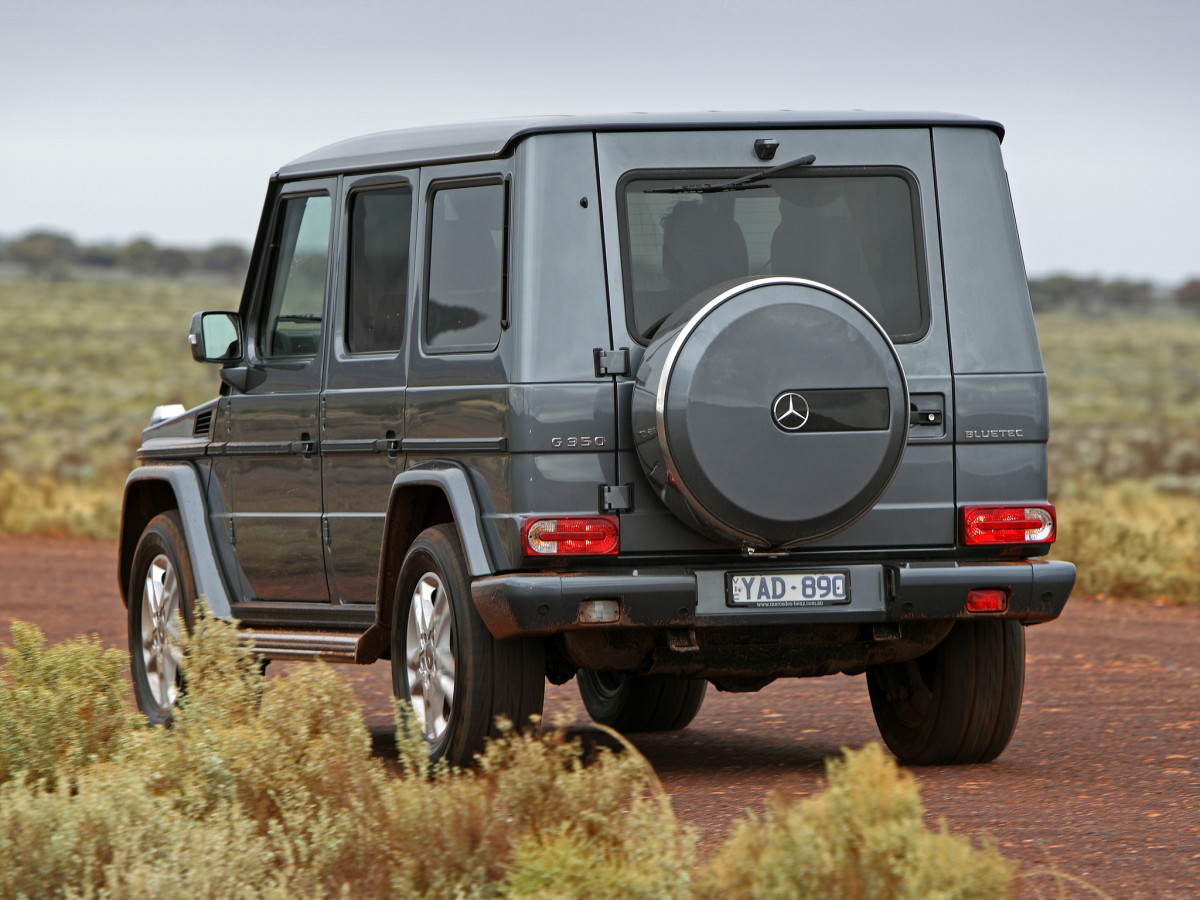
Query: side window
x=380, y=222
x=465, y=299
x=291, y=324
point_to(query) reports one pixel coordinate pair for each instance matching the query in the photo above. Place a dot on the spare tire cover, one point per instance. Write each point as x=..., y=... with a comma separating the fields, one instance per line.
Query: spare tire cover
x=771, y=411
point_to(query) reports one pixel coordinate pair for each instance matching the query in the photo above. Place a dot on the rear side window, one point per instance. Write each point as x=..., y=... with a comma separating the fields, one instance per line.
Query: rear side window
x=854, y=230
x=291, y=325
x=465, y=300
x=380, y=223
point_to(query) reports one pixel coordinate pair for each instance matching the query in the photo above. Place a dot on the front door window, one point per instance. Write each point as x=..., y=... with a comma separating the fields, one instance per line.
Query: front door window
x=296, y=292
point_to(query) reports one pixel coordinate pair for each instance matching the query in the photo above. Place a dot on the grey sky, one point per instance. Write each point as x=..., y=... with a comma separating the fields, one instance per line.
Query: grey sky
x=165, y=118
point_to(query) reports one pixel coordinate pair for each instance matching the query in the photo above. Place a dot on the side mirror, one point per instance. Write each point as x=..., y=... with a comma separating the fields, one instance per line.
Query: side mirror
x=216, y=337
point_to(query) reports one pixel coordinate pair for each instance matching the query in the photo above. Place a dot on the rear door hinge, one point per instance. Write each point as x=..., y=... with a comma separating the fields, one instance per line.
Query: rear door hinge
x=325, y=533
x=611, y=362
x=616, y=497
x=229, y=526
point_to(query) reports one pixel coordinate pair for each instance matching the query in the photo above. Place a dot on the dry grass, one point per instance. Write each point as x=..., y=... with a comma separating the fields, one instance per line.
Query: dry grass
x=1125, y=452
x=268, y=789
x=62, y=708
x=83, y=365
x=863, y=838
x=1129, y=540
x=1124, y=399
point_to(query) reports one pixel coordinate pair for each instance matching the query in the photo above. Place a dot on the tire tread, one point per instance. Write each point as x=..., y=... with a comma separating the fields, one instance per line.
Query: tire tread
x=644, y=703
x=976, y=683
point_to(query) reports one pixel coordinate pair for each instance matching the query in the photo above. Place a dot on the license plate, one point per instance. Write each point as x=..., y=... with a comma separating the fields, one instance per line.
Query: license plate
x=790, y=589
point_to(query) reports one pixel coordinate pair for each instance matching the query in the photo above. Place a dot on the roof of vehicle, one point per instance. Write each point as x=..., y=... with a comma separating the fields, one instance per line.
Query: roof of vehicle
x=494, y=139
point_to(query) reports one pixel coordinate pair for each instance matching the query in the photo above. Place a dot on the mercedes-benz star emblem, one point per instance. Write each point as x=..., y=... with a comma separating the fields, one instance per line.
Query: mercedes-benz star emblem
x=790, y=411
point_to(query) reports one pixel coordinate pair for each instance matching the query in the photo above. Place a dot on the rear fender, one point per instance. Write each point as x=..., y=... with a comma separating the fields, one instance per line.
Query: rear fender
x=426, y=495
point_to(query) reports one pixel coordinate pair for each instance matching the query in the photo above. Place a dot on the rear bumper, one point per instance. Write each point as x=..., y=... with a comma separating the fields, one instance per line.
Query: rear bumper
x=544, y=604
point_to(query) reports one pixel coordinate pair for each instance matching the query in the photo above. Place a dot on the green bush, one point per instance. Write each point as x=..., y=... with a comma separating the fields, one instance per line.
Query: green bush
x=111, y=837
x=266, y=789
x=83, y=365
x=1130, y=540
x=44, y=505
x=62, y=708
x=863, y=838
x=269, y=788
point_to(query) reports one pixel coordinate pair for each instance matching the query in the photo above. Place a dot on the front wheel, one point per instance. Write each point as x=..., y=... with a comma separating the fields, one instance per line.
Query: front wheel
x=633, y=703
x=162, y=593
x=458, y=678
x=958, y=703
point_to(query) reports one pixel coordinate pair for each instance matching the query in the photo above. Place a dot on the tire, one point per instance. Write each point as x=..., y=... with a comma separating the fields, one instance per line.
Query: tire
x=633, y=703
x=458, y=678
x=958, y=703
x=161, y=592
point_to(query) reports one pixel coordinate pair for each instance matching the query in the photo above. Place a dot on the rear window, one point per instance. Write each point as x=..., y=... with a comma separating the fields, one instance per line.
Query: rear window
x=854, y=230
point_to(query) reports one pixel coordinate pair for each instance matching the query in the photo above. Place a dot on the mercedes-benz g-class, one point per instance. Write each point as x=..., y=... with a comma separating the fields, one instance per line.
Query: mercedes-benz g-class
x=653, y=402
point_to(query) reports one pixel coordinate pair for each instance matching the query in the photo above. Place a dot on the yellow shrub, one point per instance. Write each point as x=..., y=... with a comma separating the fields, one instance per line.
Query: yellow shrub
x=47, y=506
x=863, y=838
x=270, y=789
x=273, y=790
x=1129, y=540
x=62, y=708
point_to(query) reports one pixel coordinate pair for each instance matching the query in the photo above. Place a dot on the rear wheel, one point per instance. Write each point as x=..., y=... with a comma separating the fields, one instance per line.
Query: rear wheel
x=162, y=593
x=958, y=703
x=633, y=703
x=457, y=677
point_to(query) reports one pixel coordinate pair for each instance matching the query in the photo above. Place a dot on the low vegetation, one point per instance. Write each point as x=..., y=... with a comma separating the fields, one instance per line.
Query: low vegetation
x=1130, y=540
x=84, y=363
x=269, y=789
x=57, y=256
x=863, y=838
x=1125, y=451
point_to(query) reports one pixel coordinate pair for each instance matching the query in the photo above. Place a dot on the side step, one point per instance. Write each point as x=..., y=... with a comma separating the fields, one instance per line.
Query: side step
x=330, y=646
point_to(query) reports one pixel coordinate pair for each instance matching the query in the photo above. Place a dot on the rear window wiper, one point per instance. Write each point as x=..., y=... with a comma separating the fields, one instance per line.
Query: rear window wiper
x=739, y=184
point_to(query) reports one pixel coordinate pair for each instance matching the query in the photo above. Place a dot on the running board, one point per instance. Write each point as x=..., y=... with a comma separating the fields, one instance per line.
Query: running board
x=329, y=646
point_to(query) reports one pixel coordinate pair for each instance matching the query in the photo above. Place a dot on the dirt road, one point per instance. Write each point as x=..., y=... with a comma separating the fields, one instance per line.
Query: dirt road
x=1101, y=781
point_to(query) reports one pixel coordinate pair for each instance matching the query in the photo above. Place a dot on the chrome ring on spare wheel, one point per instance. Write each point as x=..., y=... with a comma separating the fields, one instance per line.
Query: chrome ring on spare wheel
x=430, y=655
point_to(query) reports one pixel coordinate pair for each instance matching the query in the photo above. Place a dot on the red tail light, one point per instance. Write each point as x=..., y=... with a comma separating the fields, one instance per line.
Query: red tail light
x=1008, y=525
x=578, y=535
x=989, y=600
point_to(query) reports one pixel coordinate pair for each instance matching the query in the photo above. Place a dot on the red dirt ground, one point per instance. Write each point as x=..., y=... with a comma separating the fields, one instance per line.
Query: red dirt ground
x=1102, y=779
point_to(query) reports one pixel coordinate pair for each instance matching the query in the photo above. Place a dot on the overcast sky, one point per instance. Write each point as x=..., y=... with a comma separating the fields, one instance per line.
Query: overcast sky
x=165, y=118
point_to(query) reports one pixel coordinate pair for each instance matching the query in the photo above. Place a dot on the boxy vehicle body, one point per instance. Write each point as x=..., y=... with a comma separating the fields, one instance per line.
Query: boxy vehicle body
x=658, y=401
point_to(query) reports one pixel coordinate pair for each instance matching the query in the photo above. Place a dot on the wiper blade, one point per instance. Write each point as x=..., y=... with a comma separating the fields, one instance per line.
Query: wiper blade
x=740, y=184
x=774, y=170
x=705, y=188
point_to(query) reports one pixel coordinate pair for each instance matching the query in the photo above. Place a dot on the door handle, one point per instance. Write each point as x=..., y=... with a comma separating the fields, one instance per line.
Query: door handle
x=306, y=446
x=389, y=444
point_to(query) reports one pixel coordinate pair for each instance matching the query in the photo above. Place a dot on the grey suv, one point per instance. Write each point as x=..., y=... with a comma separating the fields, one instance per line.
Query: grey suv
x=651, y=402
